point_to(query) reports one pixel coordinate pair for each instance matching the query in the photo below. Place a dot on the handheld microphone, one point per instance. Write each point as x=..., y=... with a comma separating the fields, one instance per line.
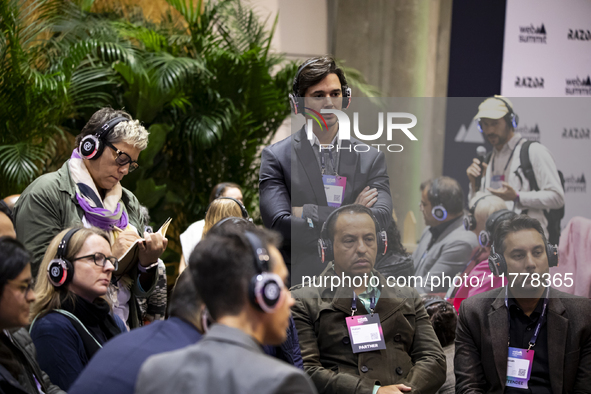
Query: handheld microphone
x=481, y=156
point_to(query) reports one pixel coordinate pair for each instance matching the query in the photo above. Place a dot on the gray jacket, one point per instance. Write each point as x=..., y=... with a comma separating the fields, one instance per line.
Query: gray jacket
x=448, y=255
x=225, y=361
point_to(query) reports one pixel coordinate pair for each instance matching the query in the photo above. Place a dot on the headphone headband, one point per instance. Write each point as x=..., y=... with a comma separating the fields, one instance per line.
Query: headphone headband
x=110, y=125
x=242, y=207
x=63, y=245
x=260, y=253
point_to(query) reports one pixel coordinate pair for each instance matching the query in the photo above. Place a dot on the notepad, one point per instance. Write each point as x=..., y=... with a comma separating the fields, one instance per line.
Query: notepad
x=131, y=255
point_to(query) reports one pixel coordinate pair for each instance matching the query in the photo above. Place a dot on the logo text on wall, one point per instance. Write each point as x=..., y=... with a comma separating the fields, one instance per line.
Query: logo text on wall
x=532, y=34
x=529, y=82
x=578, y=86
x=575, y=184
x=345, y=129
x=576, y=133
x=579, y=35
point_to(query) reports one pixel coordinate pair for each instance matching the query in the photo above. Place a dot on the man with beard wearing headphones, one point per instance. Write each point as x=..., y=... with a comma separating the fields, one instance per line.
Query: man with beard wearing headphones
x=525, y=336
x=360, y=333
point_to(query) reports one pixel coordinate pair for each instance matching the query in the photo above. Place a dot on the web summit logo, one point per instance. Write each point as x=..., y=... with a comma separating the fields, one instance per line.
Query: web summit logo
x=576, y=134
x=532, y=34
x=578, y=86
x=531, y=133
x=573, y=184
x=579, y=35
x=345, y=128
x=529, y=82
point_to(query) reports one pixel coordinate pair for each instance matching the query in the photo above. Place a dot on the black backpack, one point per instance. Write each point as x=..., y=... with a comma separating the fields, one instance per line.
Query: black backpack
x=554, y=216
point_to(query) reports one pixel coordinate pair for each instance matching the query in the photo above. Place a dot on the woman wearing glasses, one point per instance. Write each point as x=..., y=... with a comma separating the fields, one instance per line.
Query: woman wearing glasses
x=87, y=191
x=19, y=370
x=71, y=318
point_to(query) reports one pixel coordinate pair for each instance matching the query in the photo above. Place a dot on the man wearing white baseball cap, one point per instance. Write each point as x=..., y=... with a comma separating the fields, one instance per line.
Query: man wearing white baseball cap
x=523, y=174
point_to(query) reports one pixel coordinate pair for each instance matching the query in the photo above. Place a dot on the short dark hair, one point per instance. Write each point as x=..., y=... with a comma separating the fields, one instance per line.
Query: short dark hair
x=314, y=70
x=443, y=318
x=184, y=301
x=513, y=225
x=445, y=191
x=222, y=266
x=98, y=119
x=13, y=260
x=220, y=188
x=348, y=209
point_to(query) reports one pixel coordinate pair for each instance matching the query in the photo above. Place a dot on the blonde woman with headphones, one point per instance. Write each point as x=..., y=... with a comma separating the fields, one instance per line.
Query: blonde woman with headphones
x=71, y=317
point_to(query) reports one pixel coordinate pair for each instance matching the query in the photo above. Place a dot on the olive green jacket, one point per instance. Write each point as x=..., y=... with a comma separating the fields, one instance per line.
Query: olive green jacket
x=48, y=205
x=413, y=355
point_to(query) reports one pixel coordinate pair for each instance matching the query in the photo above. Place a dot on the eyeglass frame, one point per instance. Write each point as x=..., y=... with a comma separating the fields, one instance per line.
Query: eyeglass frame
x=107, y=258
x=119, y=153
x=30, y=286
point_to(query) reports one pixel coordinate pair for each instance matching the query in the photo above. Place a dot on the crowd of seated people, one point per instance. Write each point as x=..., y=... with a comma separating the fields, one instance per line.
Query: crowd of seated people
x=76, y=319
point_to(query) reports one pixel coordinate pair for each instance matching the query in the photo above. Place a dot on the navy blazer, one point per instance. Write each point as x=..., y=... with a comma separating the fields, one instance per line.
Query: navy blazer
x=285, y=183
x=114, y=368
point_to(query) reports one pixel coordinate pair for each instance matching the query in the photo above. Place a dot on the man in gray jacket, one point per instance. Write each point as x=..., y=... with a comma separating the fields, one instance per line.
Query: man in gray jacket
x=240, y=277
x=445, y=246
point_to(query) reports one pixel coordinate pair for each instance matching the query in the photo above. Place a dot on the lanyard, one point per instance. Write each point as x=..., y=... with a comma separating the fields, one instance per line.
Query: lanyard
x=508, y=160
x=541, y=319
x=372, y=303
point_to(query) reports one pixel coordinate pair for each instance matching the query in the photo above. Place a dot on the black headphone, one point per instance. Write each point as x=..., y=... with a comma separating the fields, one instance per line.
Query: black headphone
x=470, y=219
x=514, y=117
x=438, y=211
x=498, y=265
x=485, y=236
x=238, y=222
x=92, y=146
x=325, y=246
x=60, y=271
x=294, y=96
x=242, y=207
x=265, y=288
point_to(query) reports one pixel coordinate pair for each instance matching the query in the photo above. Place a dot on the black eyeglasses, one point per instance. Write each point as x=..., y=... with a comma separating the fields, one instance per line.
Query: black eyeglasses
x=123, y=158
x=24, y=287
x=100, y=260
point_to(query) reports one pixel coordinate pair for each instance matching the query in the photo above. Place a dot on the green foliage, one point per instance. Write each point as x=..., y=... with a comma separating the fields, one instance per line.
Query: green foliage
x=203, y=81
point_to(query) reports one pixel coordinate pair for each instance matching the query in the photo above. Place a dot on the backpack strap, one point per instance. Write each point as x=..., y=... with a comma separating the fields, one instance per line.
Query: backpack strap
x=526, y=166
x=91, y=345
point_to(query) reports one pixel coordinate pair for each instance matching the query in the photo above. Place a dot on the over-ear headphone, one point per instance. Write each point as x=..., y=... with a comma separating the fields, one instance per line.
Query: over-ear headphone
x=438, y=211
x=294, y=96
x=242, y=207
x=60, y=271
x=514, y=117
x=498, y=265
x=470, y=219
x=325, y=245
x=92, y=146
x=265, y=288
x=485, y=236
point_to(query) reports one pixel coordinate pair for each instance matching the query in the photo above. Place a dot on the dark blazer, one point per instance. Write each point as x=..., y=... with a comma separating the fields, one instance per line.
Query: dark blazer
x=286, y=183
x=481, y=343
x=225, y=361
x=413, y=355
x=114, y=368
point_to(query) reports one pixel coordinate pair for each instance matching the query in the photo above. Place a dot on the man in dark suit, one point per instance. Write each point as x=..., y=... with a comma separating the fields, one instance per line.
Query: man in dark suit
x=397, y=351
x=240, y=277
x=294, y=173
x=551, y=327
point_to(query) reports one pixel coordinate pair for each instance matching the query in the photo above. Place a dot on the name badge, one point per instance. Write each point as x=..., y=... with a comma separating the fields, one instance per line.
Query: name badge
x=496, y=181
x=334, y=187
x=519, y=364
x=366, y=333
